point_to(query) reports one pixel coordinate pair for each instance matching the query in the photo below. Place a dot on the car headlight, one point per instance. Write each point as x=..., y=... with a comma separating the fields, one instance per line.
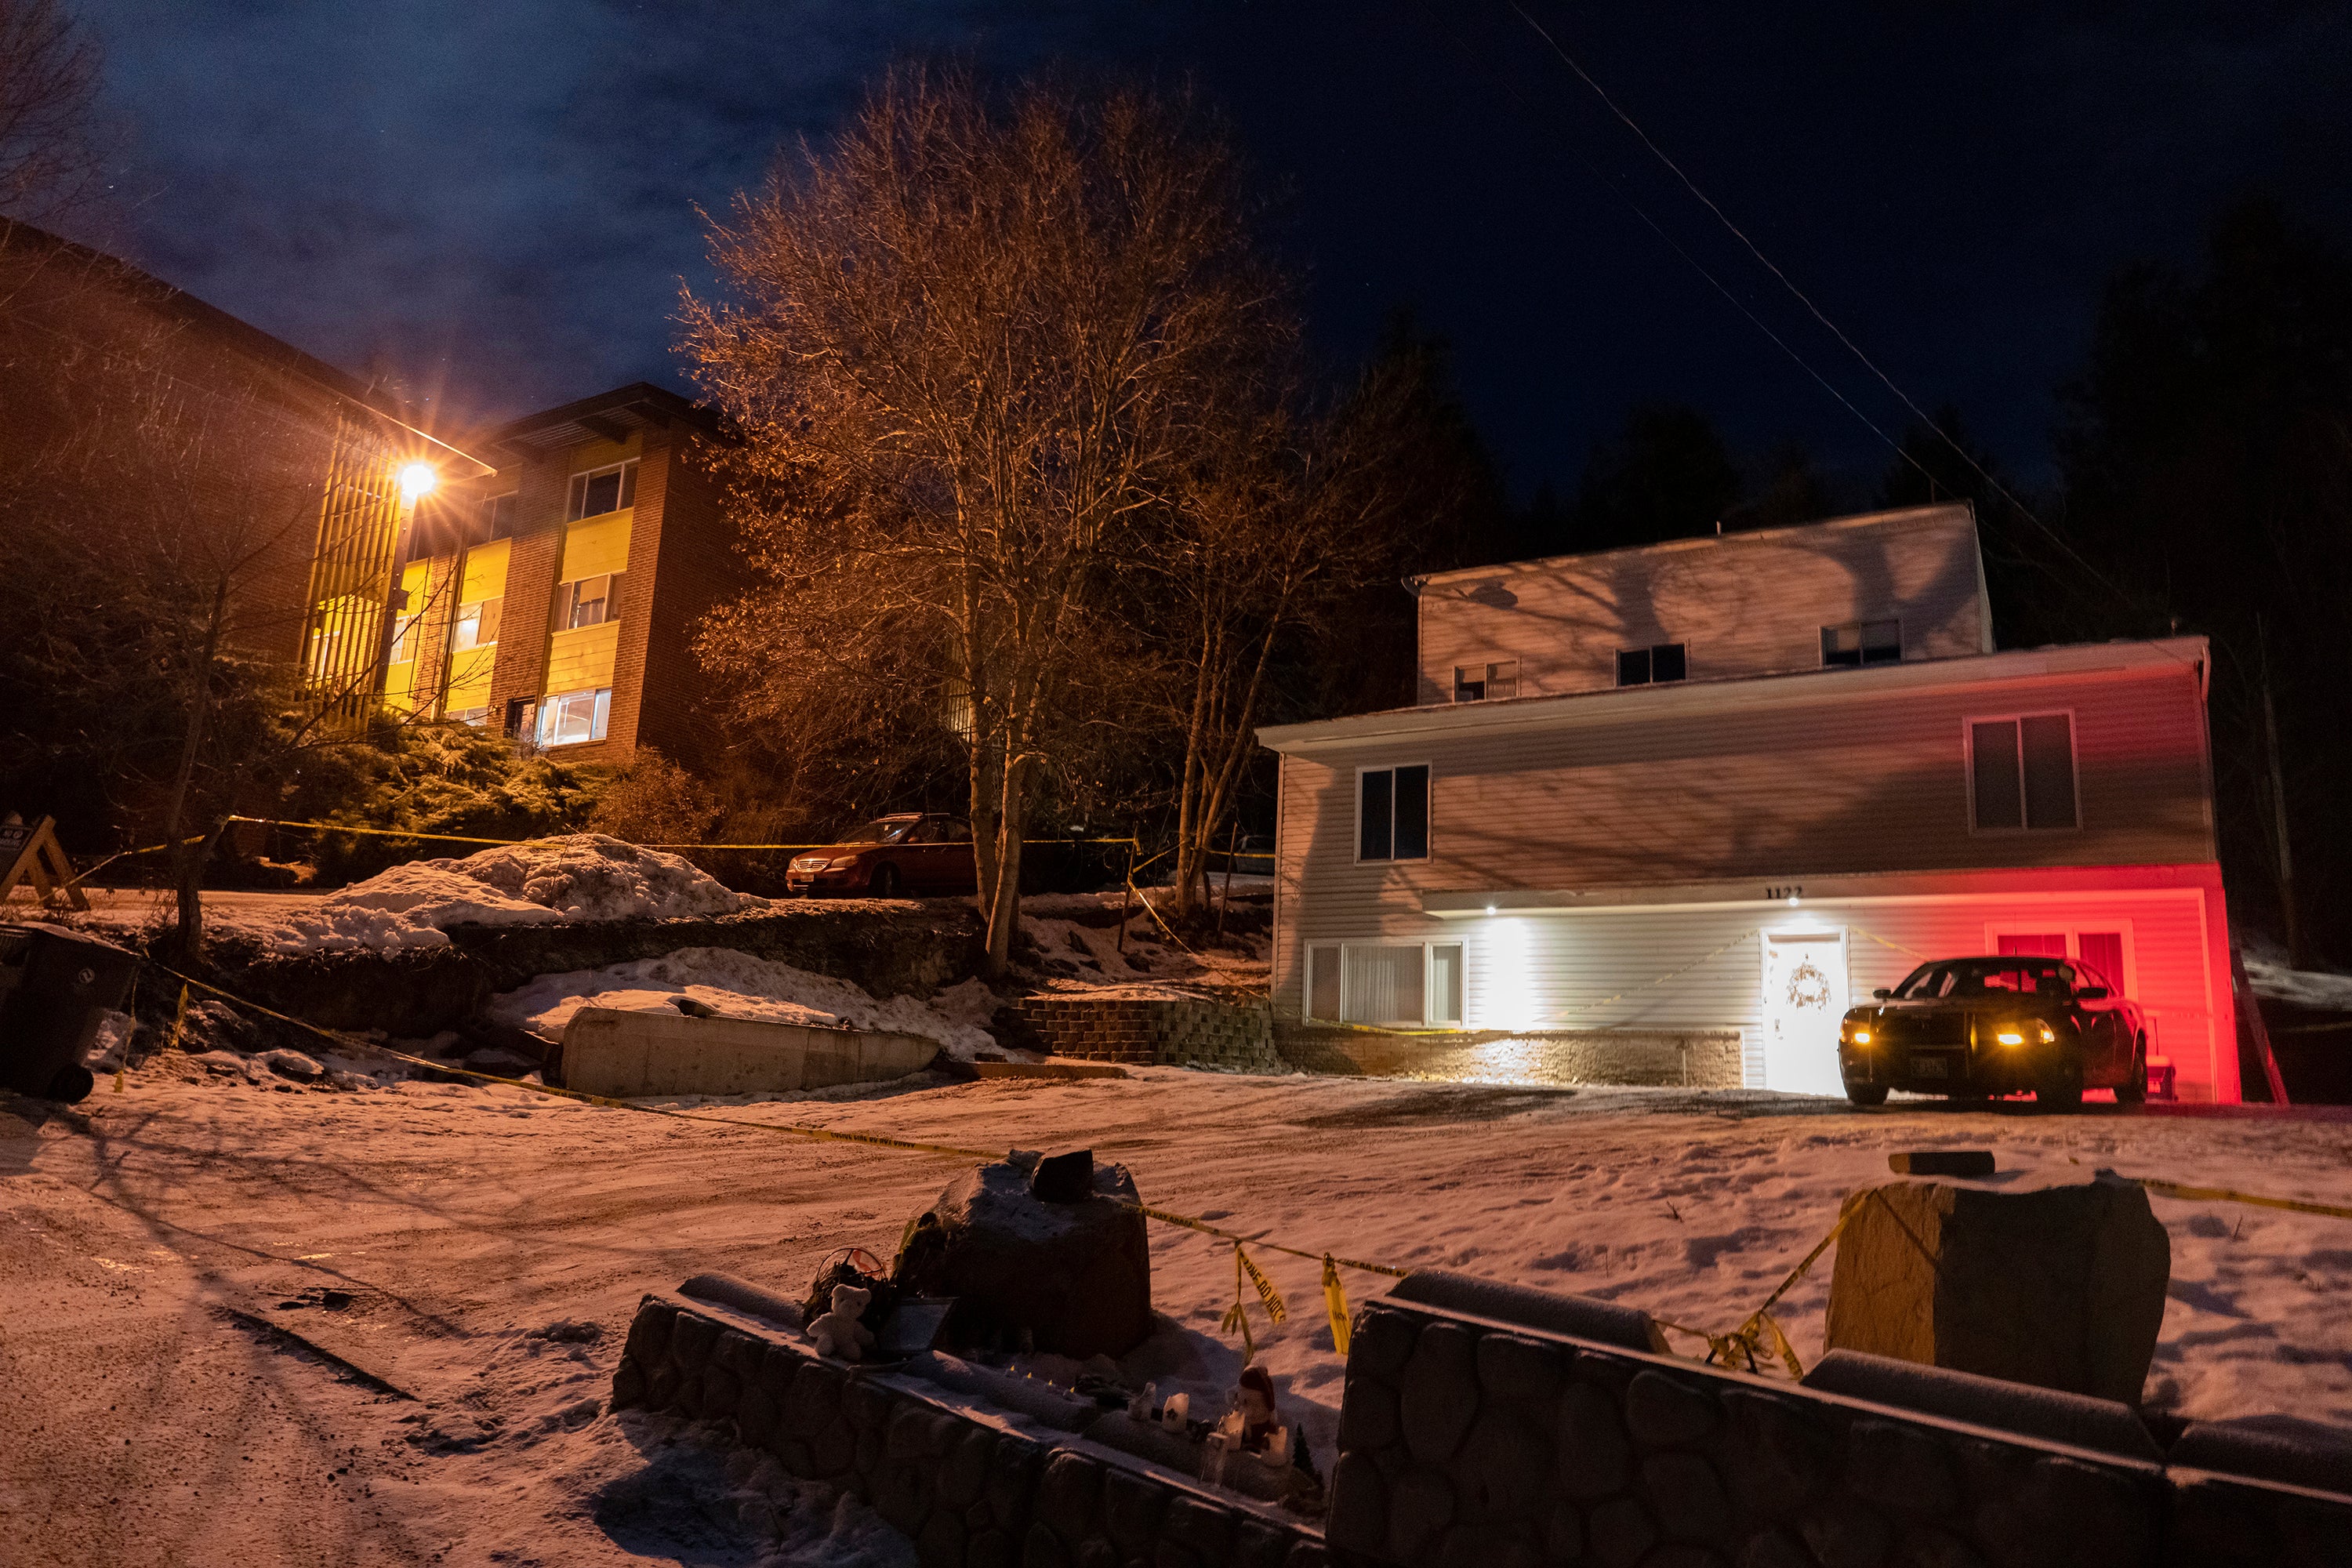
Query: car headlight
x=843, y=863
x=2011, y=1036
x=1859, y=1037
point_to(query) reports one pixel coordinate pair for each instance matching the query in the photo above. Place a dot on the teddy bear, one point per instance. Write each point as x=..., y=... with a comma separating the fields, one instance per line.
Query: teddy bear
x=839, y=1332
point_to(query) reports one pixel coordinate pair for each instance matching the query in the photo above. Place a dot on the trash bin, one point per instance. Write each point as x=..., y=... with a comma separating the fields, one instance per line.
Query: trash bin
x=54, y=983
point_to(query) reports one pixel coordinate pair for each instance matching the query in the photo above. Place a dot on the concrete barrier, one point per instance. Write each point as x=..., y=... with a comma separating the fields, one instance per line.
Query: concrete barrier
x=629, y=1055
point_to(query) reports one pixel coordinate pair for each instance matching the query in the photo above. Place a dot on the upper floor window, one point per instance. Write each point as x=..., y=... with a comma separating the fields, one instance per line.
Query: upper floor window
x=1648, y=666
x=1393, y=813
x=600, y=490
x=2022, y=771
x=1486, y=682
x=1859, y=643
x=476, y=625
x=404, y=640
x=587, y=602
x=498, y=517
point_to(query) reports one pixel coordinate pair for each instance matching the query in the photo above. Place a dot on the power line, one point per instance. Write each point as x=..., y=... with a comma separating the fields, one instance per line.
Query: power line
x=1818, y=314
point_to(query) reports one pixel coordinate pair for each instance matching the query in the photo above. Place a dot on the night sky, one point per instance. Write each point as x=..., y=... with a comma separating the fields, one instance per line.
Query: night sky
x=492, y=203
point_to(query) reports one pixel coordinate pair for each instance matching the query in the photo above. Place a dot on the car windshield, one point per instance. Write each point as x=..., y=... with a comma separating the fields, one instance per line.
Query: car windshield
x=1986, y=977
x=889, y=830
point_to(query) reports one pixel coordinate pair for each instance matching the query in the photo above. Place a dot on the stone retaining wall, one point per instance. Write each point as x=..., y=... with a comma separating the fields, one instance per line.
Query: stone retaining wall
x=1691, y=1059
x=971, y=1488
x=1145, y=1030
x=1470, y=1441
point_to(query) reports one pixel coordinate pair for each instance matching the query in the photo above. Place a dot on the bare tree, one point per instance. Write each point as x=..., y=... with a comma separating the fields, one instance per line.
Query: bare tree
x=967, y=344
x=50, y=157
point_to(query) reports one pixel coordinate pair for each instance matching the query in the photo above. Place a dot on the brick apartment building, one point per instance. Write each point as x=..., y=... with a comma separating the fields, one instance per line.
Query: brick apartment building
x=183, y=449
x=558, y=598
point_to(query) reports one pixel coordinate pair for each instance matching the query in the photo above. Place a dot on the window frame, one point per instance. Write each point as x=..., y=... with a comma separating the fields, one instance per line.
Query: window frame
x=1488, y=679
x=2072, y=928
x=480, y=608
x=576, y=490
x=1428, y=946
x=2024, y=817
x=568, y=595
x=552, y=704
x=1862, y=649
x=1429, y=802
x=489, y=525
x=1650, y=666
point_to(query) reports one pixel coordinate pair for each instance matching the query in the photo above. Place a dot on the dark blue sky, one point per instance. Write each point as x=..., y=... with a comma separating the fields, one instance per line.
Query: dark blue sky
x=494, y=201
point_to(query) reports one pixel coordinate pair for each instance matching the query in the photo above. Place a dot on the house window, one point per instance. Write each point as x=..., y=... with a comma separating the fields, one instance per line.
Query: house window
x=1384, y=982
x=1486, y=682
x=588, y=602
x=1393, y=813
x=600, y=490
x=498, y=518
x=569, y=717
x=1862, y=642
x=477, y=717
x=476, y=625
x=2021, y=772
x=2101, y=952
x=404, y=640
x=1649, y=666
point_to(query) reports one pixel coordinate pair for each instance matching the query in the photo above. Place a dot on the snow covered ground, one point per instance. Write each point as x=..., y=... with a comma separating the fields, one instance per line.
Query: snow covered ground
x=494, y=1245
x=744, y=987
x=576, y=877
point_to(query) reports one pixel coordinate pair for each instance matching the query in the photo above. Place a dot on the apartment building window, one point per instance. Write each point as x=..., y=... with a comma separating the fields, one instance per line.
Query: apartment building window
x=498, y=518
x=1649, y=666
x=404, y=640
x=569, y=717
x=600, y=490
x=1858, y=642
x=588, y=602
x=1486, y=682
x=1384, y=982
x=476, y=625
x=1393, y=813
x=477, y=717
x=2021, y=772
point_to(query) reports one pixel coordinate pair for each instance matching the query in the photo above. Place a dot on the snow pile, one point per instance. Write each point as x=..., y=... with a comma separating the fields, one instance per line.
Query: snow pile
x=2316, y=988
x=743, y=987
x=579, y=876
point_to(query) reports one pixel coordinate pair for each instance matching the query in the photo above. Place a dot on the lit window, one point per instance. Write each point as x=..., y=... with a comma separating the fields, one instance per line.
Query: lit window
x=587, y=602
x=1862, y=642
x=477, y=624
x=2021, y=772
x=569, y=717
x=1393, y=813
x=404, y=640
x=601, y=491
x=477, y=717
x=1486, y=682
x=1649, y=666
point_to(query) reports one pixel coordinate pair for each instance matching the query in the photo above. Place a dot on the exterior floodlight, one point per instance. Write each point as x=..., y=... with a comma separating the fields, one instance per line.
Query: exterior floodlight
x=417, y=480
x=1490, y=909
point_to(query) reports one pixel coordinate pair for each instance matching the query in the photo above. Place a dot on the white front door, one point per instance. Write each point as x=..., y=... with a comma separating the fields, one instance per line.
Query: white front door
x=1804, y=1001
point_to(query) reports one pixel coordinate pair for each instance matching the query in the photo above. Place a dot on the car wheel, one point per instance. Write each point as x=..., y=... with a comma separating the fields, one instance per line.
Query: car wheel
x=70, y=1085
x=885, y=882
x=2062, y=1085
x=1866, y=1094
x=2133, y=1091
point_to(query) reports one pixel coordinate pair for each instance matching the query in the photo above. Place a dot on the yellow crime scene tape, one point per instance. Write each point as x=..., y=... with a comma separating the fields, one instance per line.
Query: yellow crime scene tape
x=1750, y=1347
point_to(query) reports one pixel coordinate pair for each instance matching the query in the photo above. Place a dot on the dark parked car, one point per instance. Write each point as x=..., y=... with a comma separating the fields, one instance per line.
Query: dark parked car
x=893, y=857
x=1973, y=1028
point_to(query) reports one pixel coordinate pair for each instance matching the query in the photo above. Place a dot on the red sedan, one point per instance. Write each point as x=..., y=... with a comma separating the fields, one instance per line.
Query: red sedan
x=890, y=857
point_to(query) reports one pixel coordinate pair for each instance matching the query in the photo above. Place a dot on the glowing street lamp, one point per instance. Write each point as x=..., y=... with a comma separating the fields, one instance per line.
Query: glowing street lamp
x=417, y=480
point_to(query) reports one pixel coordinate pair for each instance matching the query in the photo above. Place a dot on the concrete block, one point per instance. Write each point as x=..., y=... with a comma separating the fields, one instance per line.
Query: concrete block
x=627, y=1055
x=2076, y=1419
x=2060, y=1283
x=1580, y=1316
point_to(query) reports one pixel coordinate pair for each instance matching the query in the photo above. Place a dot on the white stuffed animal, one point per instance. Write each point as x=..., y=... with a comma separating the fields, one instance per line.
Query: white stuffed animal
x=838, y=1333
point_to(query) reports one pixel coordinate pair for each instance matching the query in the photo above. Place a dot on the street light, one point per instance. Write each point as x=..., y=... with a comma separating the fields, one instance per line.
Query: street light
x=417, y=480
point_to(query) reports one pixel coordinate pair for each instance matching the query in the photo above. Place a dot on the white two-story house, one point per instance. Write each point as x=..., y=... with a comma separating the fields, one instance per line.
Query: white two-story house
x=1717, y=790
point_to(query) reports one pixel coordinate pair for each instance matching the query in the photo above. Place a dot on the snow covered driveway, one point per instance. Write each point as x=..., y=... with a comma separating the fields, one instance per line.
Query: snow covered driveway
x=492, y=1246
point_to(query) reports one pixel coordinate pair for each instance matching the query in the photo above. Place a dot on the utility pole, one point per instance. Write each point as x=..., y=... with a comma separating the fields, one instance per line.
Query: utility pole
x=2278, y=803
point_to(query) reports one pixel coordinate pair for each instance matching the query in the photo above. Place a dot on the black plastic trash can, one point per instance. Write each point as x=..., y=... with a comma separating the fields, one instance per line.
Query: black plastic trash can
x=54, y=983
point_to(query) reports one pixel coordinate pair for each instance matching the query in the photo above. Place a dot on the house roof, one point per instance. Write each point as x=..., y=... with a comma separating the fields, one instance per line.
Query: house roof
x=1900, y=519
x=612, y=416
x=1616, y=704
x=241, y=337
